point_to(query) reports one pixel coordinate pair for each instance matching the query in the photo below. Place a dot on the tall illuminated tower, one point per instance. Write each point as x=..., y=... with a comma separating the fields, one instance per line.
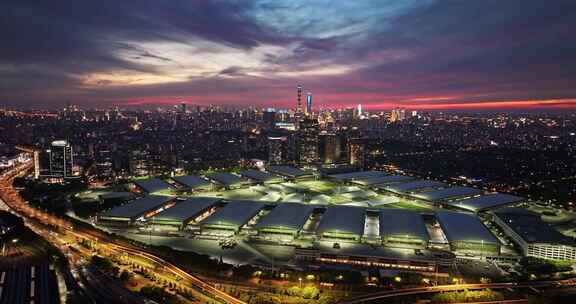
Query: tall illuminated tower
x=309, y=103
x=59, y=162
x=299, y=99
x=307, y=141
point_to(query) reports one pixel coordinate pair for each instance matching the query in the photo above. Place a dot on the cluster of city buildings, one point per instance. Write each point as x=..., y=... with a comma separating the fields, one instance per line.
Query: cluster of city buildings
x=111, y=144
x=102, y=142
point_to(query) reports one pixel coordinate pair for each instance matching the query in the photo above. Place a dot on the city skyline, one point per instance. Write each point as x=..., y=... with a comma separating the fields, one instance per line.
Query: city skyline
x=423, y=55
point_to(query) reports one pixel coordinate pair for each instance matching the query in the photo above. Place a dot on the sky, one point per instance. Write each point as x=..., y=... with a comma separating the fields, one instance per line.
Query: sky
x=417, y=54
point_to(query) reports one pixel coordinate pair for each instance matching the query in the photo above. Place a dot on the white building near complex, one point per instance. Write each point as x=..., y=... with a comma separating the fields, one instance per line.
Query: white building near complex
x=534, y=236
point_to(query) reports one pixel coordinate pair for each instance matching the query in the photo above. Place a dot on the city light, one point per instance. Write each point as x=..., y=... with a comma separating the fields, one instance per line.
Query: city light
x=287, y=151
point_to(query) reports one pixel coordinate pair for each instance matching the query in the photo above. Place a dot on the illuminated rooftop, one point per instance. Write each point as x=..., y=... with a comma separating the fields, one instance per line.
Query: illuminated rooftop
x=343, y=219
x=185, y=210
x=484, y=202
x=288, y=216
x=226, y=179
x=152, y=185
x=461, y=227
x=402, y=222
x=288, y=171
x=234, y=214
x=344, y=177
x=408, y=187
x=378, y=180
x=447, y=193
x=191, y=181
x=530, y=227
x=138, y=207
x=260, y=176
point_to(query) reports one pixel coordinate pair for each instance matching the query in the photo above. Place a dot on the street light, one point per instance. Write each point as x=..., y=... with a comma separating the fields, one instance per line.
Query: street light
x=300, y=281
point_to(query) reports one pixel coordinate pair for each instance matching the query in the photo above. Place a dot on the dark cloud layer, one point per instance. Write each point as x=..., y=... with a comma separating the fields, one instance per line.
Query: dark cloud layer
x=254, y=52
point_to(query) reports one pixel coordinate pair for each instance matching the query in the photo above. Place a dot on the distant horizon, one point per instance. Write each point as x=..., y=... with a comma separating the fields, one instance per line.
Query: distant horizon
x=366, y=107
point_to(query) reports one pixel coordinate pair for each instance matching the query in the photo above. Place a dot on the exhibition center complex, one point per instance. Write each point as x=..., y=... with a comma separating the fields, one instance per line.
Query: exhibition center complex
x=332, y=218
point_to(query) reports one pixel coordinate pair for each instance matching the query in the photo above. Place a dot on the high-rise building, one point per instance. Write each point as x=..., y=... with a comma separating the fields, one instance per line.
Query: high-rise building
x=330, y=151
x=143, y=162
x=269, y=117
x=308, y=104
x=393, y=115
x=103, y=160
x=277, y=152
x=401, y=114
x=397, y=114
x=299, y=99
x=308, y=141
x=36, y=164
x=58, y=161
x=357, y=152
x=182, y=108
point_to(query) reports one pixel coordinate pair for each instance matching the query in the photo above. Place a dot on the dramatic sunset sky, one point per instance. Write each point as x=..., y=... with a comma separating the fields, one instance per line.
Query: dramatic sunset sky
x=420, y=54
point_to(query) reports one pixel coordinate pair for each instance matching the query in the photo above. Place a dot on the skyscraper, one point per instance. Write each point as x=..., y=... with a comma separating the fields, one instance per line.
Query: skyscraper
x=401, y=114
x=269, y=117
x=182, y=109
x=329, y=148
x=357, y=112
x=299, y=99
x=277, y=153
x=397, y=114
x=59, y=161
x=309, y=103
x=393, y=115
x=308, y=141
x=357, y=152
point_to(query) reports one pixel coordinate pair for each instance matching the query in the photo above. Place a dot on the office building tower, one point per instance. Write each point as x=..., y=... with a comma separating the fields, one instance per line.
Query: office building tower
x=299, y=99
x=58, y=161
x=269, y=117
x=357, y=152
x=397, y=114
x=308, y=141
x=36, y=164
x=330, y=151
x=393, y=115
x=277, y=149
x=182, y=108
x=401, y=114
x=144, y=162
x=308, y=104
x=103, y=160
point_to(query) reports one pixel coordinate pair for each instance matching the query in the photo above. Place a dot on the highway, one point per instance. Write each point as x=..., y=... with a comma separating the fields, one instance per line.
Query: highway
x=11, y=198
x=441, y=288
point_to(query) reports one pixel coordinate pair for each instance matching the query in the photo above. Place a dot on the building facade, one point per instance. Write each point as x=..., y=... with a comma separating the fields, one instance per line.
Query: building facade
x=308, y=141
x=58, y=160
x=535, y=237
